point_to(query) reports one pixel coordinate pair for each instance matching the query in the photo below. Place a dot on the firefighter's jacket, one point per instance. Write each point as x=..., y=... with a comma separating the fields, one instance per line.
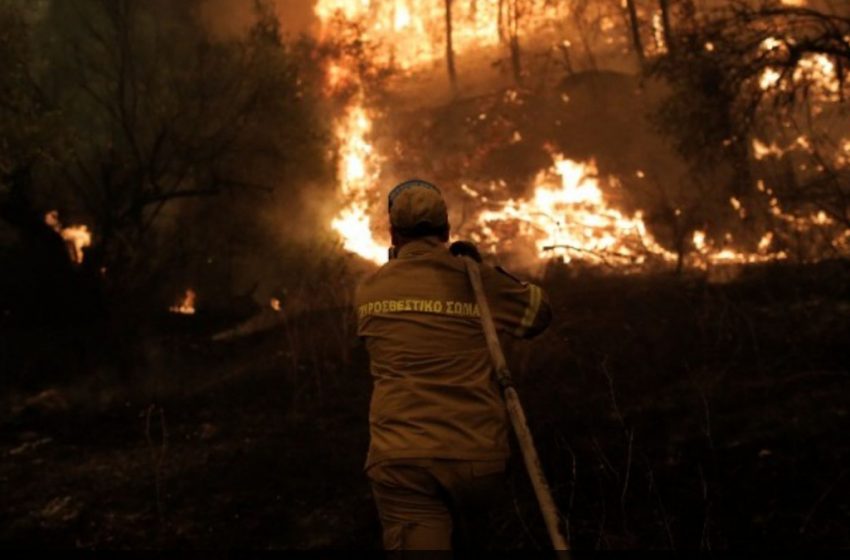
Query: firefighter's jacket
x=434, y=393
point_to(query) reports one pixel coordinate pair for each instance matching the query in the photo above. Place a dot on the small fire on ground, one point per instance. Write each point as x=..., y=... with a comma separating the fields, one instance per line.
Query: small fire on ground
x=185, y=304
x=76, y=237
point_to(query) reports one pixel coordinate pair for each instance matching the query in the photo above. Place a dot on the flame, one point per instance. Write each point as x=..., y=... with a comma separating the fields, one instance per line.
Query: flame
x=819, y=70
x=567, y=216
x=354, y=226
x=358, y=173
x=762, y=150
x=769, y=78
x=566, y=213
x=402, y=17
x=699, y=240
x=658, y=32
x=186, y=304
x=412, y=33
x=77, y=238
x=766, y=241
x=815, y=69
x=275, y=304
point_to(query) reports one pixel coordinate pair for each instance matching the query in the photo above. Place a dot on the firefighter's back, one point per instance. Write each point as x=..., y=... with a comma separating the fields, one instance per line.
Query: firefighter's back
x=433, y=393
x=437, y=423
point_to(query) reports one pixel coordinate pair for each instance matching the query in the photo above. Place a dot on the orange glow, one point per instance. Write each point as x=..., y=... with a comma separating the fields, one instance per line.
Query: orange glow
x=566, y=213
x=186, y=304
x=411, y=33
x=769, y=78
x=818, y=70
x=567, y=216
x=358, y=173
x=658, y=31
x=77, y=238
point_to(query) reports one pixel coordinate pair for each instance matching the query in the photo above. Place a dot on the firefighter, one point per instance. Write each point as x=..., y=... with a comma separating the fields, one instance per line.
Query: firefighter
x=438, y=426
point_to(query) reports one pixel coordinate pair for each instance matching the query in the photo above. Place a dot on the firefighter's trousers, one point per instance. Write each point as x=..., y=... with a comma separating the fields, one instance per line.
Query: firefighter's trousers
x=436, y=504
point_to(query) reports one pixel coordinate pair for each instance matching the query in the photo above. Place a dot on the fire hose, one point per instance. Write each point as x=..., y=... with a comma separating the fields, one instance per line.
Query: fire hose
x=516, y=413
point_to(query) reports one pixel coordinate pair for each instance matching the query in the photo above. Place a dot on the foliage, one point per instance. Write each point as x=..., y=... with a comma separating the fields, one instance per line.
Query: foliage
x=718, y=95
x=155, y=110
x=24, y=113
x=750, y=74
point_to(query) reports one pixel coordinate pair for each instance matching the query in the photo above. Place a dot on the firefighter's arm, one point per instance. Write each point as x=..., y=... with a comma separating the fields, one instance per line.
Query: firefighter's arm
x=519, y=308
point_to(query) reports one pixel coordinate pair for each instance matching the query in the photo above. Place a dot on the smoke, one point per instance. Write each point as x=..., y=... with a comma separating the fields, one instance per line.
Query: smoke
x=232, y=18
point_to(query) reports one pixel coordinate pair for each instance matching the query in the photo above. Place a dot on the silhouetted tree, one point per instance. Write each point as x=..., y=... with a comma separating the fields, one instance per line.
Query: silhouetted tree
x=634, y=26
x=450, y=53
x=743, y=72
x=160, y=112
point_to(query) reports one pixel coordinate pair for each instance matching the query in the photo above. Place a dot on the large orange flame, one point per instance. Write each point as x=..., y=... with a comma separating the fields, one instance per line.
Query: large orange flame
x=567, y=216
x=358, y=174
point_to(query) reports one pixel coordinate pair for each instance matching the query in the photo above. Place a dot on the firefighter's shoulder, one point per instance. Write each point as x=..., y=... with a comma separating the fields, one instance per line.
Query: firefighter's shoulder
x=376, y=282
x=508, y=275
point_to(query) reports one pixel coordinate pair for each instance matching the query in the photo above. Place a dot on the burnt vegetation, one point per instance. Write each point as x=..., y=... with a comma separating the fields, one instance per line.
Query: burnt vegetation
x=183, y=371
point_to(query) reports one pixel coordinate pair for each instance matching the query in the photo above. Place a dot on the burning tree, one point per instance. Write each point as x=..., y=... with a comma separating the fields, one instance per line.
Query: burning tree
x=766, y=83
x=497, y=138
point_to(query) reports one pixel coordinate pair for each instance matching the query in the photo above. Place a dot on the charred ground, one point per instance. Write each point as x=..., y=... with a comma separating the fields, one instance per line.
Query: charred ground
x=669, y=412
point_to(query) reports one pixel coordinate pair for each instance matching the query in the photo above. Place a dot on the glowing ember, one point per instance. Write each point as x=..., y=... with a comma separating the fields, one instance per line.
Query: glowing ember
x=769, y=78
x=739, y=208
x=765, y=242
x=186, y=305
x=762, y=150
x=77, y=238
x=699, y=240
x=819, y=70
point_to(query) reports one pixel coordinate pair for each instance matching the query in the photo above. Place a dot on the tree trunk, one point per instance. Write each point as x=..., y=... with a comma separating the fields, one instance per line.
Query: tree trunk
x=635, y=26
x=688, y=20
x=501, y=21
x=665, y=20
x=567, y=59
x=681, y=245
x=450, y=53
x=513, y=31
x=581, y=27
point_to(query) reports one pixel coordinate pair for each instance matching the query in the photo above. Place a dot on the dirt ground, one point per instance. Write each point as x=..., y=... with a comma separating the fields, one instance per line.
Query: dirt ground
x=669, y=413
